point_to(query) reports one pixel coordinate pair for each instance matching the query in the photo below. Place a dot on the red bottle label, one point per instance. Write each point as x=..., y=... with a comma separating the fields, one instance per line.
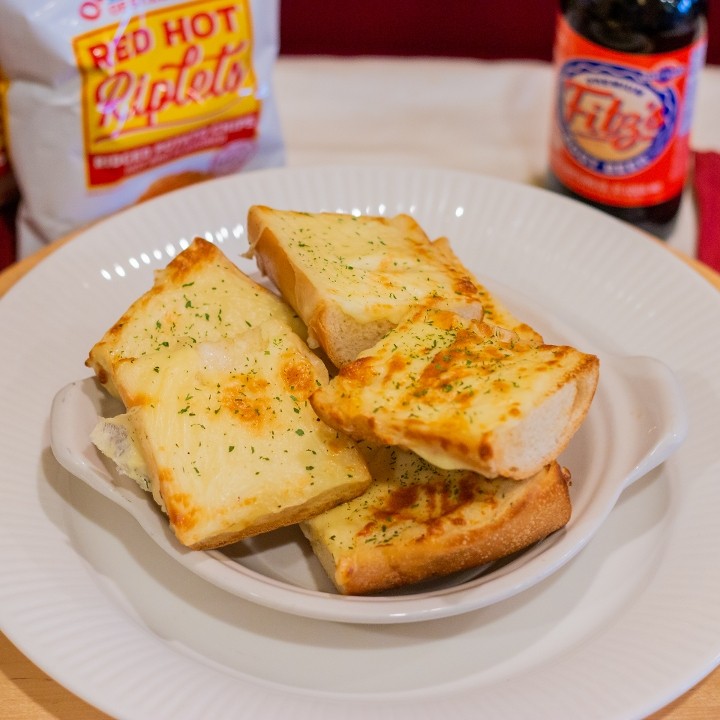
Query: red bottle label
x=622, y=122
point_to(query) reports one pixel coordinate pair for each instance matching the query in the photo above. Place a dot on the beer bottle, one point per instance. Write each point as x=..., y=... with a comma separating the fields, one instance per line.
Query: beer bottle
x=626, y=76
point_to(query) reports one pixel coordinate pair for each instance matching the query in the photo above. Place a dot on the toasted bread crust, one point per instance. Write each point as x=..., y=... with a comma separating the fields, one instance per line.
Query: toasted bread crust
x=433, y=524
x=288, y=516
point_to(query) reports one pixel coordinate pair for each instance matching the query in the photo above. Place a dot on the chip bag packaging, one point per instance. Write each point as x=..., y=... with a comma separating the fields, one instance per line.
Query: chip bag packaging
x=109, y=102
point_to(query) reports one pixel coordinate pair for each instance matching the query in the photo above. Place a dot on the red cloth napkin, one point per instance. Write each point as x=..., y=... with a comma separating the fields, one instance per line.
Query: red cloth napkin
x=706, y=184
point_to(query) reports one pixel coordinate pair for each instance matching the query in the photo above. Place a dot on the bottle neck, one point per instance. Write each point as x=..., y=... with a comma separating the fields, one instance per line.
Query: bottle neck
x=637, y=26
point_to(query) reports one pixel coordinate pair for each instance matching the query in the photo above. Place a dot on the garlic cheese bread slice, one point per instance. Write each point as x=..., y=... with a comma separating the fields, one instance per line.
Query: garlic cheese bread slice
x=463, y=394
x=232, y=446
x=418, y=522
x=199, y=296
x=352, y=278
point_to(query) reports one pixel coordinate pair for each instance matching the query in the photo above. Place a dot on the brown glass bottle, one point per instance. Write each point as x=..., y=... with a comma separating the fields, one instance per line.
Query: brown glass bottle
x=626, y=45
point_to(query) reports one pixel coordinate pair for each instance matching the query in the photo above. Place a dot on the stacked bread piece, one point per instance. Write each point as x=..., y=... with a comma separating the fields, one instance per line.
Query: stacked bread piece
x=216, y=379
x=434, y=418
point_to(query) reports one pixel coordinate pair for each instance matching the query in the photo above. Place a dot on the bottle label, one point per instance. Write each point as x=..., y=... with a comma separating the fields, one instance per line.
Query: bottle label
x=622, y=122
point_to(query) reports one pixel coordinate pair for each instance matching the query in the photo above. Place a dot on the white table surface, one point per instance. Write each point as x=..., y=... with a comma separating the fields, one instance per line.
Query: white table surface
x=486, y=117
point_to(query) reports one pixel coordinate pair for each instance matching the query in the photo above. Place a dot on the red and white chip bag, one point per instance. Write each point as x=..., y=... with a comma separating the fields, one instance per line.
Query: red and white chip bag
x=109, y=102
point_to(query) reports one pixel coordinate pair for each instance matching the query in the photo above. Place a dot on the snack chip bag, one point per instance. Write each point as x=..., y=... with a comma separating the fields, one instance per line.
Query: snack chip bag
x=109, y=102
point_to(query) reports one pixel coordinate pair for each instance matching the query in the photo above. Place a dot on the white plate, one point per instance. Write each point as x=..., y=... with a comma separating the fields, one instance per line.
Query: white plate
x=619, y=630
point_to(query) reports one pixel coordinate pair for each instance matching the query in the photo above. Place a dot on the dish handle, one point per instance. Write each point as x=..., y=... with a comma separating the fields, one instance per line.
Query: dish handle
x=75, y=410
x=653, y=402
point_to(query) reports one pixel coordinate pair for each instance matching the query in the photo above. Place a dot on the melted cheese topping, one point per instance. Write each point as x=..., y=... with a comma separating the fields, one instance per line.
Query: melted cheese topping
x=374, y=268
x=200, y=296
x=442, y=385
x=115, y=438
x=229, y=435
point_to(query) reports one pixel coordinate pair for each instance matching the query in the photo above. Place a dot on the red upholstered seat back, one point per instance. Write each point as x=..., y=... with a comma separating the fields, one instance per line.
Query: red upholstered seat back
x=509, y=29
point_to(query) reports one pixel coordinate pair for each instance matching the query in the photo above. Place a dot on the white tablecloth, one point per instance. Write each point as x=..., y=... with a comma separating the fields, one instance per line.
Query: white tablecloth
x=487, y=117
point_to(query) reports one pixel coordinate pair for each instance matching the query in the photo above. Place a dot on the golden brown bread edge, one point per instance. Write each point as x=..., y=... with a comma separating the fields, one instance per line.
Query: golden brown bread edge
x=166, y=299
x=218, y=354
x=341, y=336
x=441, y=411
x=449, y=541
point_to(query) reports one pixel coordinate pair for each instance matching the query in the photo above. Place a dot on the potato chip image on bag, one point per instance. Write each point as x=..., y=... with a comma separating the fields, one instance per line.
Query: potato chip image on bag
x=110, y=102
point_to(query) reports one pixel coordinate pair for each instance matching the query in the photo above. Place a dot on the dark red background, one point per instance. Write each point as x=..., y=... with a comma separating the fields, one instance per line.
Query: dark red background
x=503, y=29
x=487, y=29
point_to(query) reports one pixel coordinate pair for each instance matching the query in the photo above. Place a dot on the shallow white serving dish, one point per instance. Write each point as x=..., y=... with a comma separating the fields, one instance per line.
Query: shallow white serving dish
x=618, y=630
x=638, y=410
